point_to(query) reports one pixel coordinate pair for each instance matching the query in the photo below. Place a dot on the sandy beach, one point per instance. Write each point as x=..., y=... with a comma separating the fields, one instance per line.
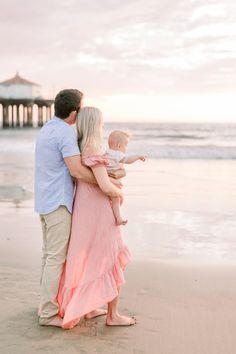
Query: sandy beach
x=181, y=285
x=180, y=309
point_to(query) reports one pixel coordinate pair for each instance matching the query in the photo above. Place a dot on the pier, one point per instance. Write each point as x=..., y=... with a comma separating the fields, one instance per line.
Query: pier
x=22, y=105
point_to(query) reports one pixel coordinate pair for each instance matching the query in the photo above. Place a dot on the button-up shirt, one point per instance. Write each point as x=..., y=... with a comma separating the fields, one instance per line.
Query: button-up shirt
x=53, y=183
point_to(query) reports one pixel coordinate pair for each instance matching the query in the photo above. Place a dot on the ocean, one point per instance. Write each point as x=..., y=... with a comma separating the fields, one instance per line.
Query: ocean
x=179, y=203
x=154, y=140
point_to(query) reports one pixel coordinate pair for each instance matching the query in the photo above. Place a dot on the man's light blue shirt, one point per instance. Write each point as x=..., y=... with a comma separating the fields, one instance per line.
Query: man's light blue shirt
x=53, y=182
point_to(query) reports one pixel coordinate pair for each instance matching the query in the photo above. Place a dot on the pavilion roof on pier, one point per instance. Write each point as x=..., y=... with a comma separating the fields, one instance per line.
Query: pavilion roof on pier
x=18, y=80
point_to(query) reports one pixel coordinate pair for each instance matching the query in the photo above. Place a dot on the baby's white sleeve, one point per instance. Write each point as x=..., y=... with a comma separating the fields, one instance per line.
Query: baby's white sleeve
x=121, y=156
x=124, y=159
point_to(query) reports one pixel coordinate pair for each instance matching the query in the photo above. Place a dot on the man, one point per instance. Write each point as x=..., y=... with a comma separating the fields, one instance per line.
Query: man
x=57, y=160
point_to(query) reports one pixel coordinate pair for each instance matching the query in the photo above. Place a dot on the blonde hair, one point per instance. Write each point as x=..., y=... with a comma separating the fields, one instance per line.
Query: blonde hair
x=88, y=125
x=118, y=137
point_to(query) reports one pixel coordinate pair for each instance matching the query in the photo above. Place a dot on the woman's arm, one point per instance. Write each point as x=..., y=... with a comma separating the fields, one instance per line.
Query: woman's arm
x=104, y=182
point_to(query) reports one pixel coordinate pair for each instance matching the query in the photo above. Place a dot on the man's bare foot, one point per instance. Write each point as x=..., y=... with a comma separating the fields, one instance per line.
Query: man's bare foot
x=120, y=221
x=119, y=320
x=55, y=322
x=95, y=313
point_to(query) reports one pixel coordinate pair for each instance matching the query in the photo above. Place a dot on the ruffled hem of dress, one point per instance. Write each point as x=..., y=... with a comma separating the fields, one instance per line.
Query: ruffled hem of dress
x=103, y=288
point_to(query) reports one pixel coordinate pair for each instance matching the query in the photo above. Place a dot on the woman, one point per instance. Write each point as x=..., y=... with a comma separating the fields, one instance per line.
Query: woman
x=97, y=256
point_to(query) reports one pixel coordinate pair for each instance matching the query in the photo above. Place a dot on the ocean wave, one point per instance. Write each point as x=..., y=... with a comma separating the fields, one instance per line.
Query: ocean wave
x=191, y=152
x=160, y=141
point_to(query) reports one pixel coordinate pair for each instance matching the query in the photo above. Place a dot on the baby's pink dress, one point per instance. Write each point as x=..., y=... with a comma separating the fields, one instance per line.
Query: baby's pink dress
x=96, y=255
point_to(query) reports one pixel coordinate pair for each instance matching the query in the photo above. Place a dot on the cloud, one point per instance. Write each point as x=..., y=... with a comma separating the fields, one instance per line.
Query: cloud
x=111, y=46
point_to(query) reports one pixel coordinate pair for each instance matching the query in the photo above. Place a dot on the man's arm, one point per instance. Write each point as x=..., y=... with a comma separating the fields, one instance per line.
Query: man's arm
x=83, y=173
x=79, y=171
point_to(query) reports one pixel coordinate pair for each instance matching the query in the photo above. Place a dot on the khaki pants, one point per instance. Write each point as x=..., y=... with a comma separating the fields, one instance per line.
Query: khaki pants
x=56, y=233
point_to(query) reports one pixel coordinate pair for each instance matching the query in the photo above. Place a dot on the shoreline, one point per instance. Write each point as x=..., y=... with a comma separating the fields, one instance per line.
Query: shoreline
x=175, y=209
x=150, y=241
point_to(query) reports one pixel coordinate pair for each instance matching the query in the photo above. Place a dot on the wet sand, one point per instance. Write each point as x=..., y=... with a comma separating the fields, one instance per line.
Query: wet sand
x=181, y=285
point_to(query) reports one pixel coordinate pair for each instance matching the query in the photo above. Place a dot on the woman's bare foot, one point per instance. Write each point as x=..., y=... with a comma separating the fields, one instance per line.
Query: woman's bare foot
x=120, y=221
x=119, y=320
x=95, y=313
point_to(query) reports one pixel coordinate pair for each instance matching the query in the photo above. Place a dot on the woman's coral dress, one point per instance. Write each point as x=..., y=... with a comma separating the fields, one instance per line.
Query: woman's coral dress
x=96, y=255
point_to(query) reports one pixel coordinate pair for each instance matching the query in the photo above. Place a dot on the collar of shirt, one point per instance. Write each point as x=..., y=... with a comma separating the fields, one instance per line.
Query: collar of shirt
x=59, y=120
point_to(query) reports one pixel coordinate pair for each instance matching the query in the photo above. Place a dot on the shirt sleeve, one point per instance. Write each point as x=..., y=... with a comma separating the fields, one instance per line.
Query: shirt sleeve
x=68, y=143
x=120, y=156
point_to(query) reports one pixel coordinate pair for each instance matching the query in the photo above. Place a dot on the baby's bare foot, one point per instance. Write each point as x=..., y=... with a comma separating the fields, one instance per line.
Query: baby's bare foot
x=119, y=320
x=120, y=221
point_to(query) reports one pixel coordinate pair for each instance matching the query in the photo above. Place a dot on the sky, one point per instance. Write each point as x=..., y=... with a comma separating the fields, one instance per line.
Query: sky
x=137, y=60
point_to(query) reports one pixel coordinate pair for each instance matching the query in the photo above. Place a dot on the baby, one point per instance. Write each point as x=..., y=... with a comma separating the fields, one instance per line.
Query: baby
x=116, y=155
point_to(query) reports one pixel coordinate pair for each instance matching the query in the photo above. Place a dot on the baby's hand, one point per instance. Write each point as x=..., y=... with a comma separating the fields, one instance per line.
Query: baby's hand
x=142, y=158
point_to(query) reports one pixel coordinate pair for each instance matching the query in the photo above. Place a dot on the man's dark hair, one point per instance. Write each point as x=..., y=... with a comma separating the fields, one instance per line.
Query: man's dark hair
x=67, y=101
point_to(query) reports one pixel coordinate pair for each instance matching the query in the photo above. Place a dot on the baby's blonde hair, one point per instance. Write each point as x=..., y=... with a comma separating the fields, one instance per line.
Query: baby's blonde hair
x=88, y=125
x=118, y=137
